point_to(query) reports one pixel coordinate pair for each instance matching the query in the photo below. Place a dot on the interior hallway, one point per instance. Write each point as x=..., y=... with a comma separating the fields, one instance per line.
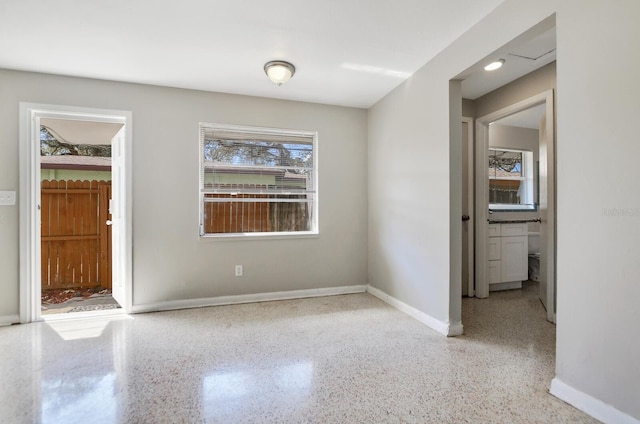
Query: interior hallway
x=342, y=359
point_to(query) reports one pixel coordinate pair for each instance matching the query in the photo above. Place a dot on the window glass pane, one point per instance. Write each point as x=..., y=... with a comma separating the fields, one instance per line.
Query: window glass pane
x=504, y=163
x=249, y=213
x=236, y=178
x=504, y=191
x=510, y=178
x=258, y=153
x=256, y=180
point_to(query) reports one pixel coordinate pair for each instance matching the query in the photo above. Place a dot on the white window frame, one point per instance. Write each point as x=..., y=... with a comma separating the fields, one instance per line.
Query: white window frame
x=267, y=133
x=527, y=178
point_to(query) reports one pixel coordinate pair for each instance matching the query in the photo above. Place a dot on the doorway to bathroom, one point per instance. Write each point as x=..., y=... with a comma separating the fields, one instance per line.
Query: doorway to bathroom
x=521, y=187
x=515, y=198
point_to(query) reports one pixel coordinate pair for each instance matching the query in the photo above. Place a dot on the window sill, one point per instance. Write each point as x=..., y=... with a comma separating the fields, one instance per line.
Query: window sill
x=513, y=208
x=260, y=236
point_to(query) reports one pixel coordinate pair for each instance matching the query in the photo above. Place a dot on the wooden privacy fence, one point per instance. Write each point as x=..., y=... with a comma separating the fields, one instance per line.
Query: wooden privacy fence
x=75, y=239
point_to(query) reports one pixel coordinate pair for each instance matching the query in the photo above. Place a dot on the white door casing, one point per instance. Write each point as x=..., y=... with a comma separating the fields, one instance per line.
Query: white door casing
x=30, y=272
x=547, y=195
x=30, y=250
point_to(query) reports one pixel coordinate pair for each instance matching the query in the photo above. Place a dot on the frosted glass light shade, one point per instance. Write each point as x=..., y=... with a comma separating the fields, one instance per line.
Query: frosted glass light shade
x=279, y=71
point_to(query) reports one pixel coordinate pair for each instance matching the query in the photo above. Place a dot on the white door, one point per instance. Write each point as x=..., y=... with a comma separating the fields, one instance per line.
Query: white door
x=467, y=208
x=547, y=215
x=543, y=260
x=119, y=291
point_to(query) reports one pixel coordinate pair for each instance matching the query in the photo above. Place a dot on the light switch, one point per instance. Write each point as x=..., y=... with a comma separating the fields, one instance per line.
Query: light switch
x=7, y=198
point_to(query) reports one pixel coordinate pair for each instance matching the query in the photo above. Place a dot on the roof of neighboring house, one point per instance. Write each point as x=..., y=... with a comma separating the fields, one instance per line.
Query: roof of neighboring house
x=87, y=163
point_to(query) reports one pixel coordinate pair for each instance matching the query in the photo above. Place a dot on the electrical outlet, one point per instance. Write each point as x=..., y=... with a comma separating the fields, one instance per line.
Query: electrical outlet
x=7, y=198
x=238, y=270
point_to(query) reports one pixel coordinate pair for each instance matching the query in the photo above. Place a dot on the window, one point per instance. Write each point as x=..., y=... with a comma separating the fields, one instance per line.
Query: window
x=511, y=179
x=257, y=181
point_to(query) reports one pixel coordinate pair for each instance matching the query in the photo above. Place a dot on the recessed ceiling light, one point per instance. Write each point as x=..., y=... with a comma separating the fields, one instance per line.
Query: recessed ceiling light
x=494, y=65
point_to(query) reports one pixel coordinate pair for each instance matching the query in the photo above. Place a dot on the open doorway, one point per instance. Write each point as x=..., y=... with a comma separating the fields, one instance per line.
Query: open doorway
x=515, y=199
x=75, y=212
x=75, y=194
x=526, y=81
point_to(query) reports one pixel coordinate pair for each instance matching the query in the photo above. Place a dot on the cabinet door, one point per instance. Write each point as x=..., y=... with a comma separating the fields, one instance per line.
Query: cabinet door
x=511, y=230
x=494, y=248
x=514, y=258
x=494, y=272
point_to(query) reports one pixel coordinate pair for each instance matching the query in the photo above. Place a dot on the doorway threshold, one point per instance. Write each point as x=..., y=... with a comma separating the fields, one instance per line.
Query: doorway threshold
x=84, y=314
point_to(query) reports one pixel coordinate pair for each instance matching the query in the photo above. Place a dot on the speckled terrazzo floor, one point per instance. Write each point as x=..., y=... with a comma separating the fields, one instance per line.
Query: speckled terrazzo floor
x=340, y=359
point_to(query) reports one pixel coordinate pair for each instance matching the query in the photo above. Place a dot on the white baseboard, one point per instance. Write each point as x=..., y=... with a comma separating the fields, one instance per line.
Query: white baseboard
x=590, y=405
x=247, y=298
x=441, y=327
x=9, y=319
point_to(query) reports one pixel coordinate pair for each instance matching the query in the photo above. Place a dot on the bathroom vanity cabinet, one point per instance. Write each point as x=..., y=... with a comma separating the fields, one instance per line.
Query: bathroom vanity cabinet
x=508, y=255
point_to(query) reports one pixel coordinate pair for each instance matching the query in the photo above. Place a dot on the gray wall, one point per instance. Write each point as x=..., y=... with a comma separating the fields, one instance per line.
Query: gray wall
x=468, y=108
x=412, y=190
x=170, y=262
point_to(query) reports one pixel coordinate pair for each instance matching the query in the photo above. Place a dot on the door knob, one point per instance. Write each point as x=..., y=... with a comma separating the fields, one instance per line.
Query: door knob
x=466, y=217
x=109, y=222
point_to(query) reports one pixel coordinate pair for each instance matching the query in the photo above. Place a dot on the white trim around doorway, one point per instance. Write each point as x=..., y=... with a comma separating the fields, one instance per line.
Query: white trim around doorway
x=30, y=273
x=482, y=194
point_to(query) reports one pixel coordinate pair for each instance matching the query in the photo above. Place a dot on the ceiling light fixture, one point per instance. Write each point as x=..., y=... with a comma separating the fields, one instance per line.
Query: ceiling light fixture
x=279, y=71
x=494, y=65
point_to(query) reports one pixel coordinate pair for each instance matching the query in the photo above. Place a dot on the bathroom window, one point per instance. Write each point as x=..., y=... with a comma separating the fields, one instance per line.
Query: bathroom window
x=257, y=181
x=511, y=179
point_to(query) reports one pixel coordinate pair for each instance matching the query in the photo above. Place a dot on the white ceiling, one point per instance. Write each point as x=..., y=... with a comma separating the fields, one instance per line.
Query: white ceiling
x=528, y=118
x=347, y=52
x=529, y=52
